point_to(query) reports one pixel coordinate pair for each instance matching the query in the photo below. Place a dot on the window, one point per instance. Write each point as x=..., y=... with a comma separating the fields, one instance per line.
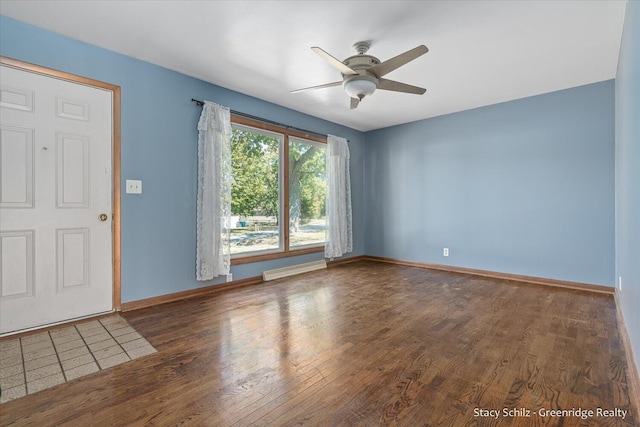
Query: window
x=278, y=180
x=307, y=192
x=255, y=190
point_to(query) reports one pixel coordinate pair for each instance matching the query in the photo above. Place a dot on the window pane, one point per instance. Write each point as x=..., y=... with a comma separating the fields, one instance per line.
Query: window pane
x=254, y=191
x=307, y=189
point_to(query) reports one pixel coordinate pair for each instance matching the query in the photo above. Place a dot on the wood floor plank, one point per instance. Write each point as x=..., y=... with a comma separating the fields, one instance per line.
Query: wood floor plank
x=361, y=344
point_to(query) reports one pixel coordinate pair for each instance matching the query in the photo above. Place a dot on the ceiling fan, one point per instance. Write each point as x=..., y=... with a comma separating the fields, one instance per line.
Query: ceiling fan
x=362, y=73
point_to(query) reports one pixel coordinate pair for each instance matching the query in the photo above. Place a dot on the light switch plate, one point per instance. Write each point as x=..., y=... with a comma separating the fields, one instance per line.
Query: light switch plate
x=134, y=186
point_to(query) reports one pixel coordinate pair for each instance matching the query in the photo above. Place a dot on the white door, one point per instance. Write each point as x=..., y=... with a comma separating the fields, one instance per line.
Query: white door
x=55, y=200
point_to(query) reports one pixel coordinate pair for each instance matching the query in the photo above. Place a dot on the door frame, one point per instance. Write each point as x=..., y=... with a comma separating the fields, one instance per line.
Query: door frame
x=115, y=153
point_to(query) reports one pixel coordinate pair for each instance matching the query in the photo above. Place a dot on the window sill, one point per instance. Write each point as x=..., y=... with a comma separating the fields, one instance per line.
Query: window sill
x=276, y=255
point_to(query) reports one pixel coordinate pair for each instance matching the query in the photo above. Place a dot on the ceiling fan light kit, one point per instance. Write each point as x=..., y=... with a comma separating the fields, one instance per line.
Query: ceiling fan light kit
x=360, y=86
x=362, y=73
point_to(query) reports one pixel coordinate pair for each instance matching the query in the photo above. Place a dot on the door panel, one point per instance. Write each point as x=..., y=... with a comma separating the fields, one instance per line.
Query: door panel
x=55, y=154
x=16, y=167
x=72, y=166
x=73, y=258
x=16, y=98
x=17, y=264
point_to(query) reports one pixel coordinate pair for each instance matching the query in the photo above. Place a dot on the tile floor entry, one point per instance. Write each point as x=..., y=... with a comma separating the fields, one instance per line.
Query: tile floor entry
x=45, y=359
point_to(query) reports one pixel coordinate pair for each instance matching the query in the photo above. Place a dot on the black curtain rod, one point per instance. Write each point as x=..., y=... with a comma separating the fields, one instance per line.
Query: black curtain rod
x=271, y=122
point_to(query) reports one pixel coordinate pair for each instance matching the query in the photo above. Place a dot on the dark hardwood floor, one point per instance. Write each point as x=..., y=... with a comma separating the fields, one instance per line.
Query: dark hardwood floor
x=363, y=344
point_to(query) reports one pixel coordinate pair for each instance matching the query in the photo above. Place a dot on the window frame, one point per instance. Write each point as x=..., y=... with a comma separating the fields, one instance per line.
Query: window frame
x=283, y=196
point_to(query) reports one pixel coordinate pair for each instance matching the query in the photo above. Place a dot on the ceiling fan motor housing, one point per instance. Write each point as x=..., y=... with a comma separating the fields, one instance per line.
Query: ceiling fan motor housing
x=361, y=62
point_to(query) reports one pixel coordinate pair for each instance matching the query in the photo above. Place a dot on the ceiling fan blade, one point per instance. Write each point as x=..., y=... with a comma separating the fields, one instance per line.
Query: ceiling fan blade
x=336, y=63
x=397, y=61
x=395, y=86
x=317, y=87
x=354, y=103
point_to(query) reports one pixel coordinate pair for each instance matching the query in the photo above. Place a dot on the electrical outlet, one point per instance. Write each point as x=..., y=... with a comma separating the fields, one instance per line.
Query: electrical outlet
x=134, y=186
x=229, y=277
x=445, y=252
x=620, y=283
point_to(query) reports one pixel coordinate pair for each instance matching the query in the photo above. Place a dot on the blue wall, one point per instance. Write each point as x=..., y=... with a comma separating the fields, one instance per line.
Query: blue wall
x=628, y=174
x=523, y=187
x=159, y=146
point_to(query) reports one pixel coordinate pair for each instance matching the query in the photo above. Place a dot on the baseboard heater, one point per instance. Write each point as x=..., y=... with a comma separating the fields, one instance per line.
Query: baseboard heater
x=279, y=273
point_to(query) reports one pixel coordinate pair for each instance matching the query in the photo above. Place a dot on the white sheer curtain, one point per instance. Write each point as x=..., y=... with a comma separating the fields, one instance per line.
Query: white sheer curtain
x=339, y=238
x=213, y=208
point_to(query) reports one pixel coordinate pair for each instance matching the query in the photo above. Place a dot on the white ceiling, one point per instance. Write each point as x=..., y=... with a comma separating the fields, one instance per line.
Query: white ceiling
x=480, y=52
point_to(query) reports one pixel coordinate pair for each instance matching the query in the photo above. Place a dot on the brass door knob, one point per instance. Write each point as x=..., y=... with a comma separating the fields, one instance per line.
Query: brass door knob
x=103, y=217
